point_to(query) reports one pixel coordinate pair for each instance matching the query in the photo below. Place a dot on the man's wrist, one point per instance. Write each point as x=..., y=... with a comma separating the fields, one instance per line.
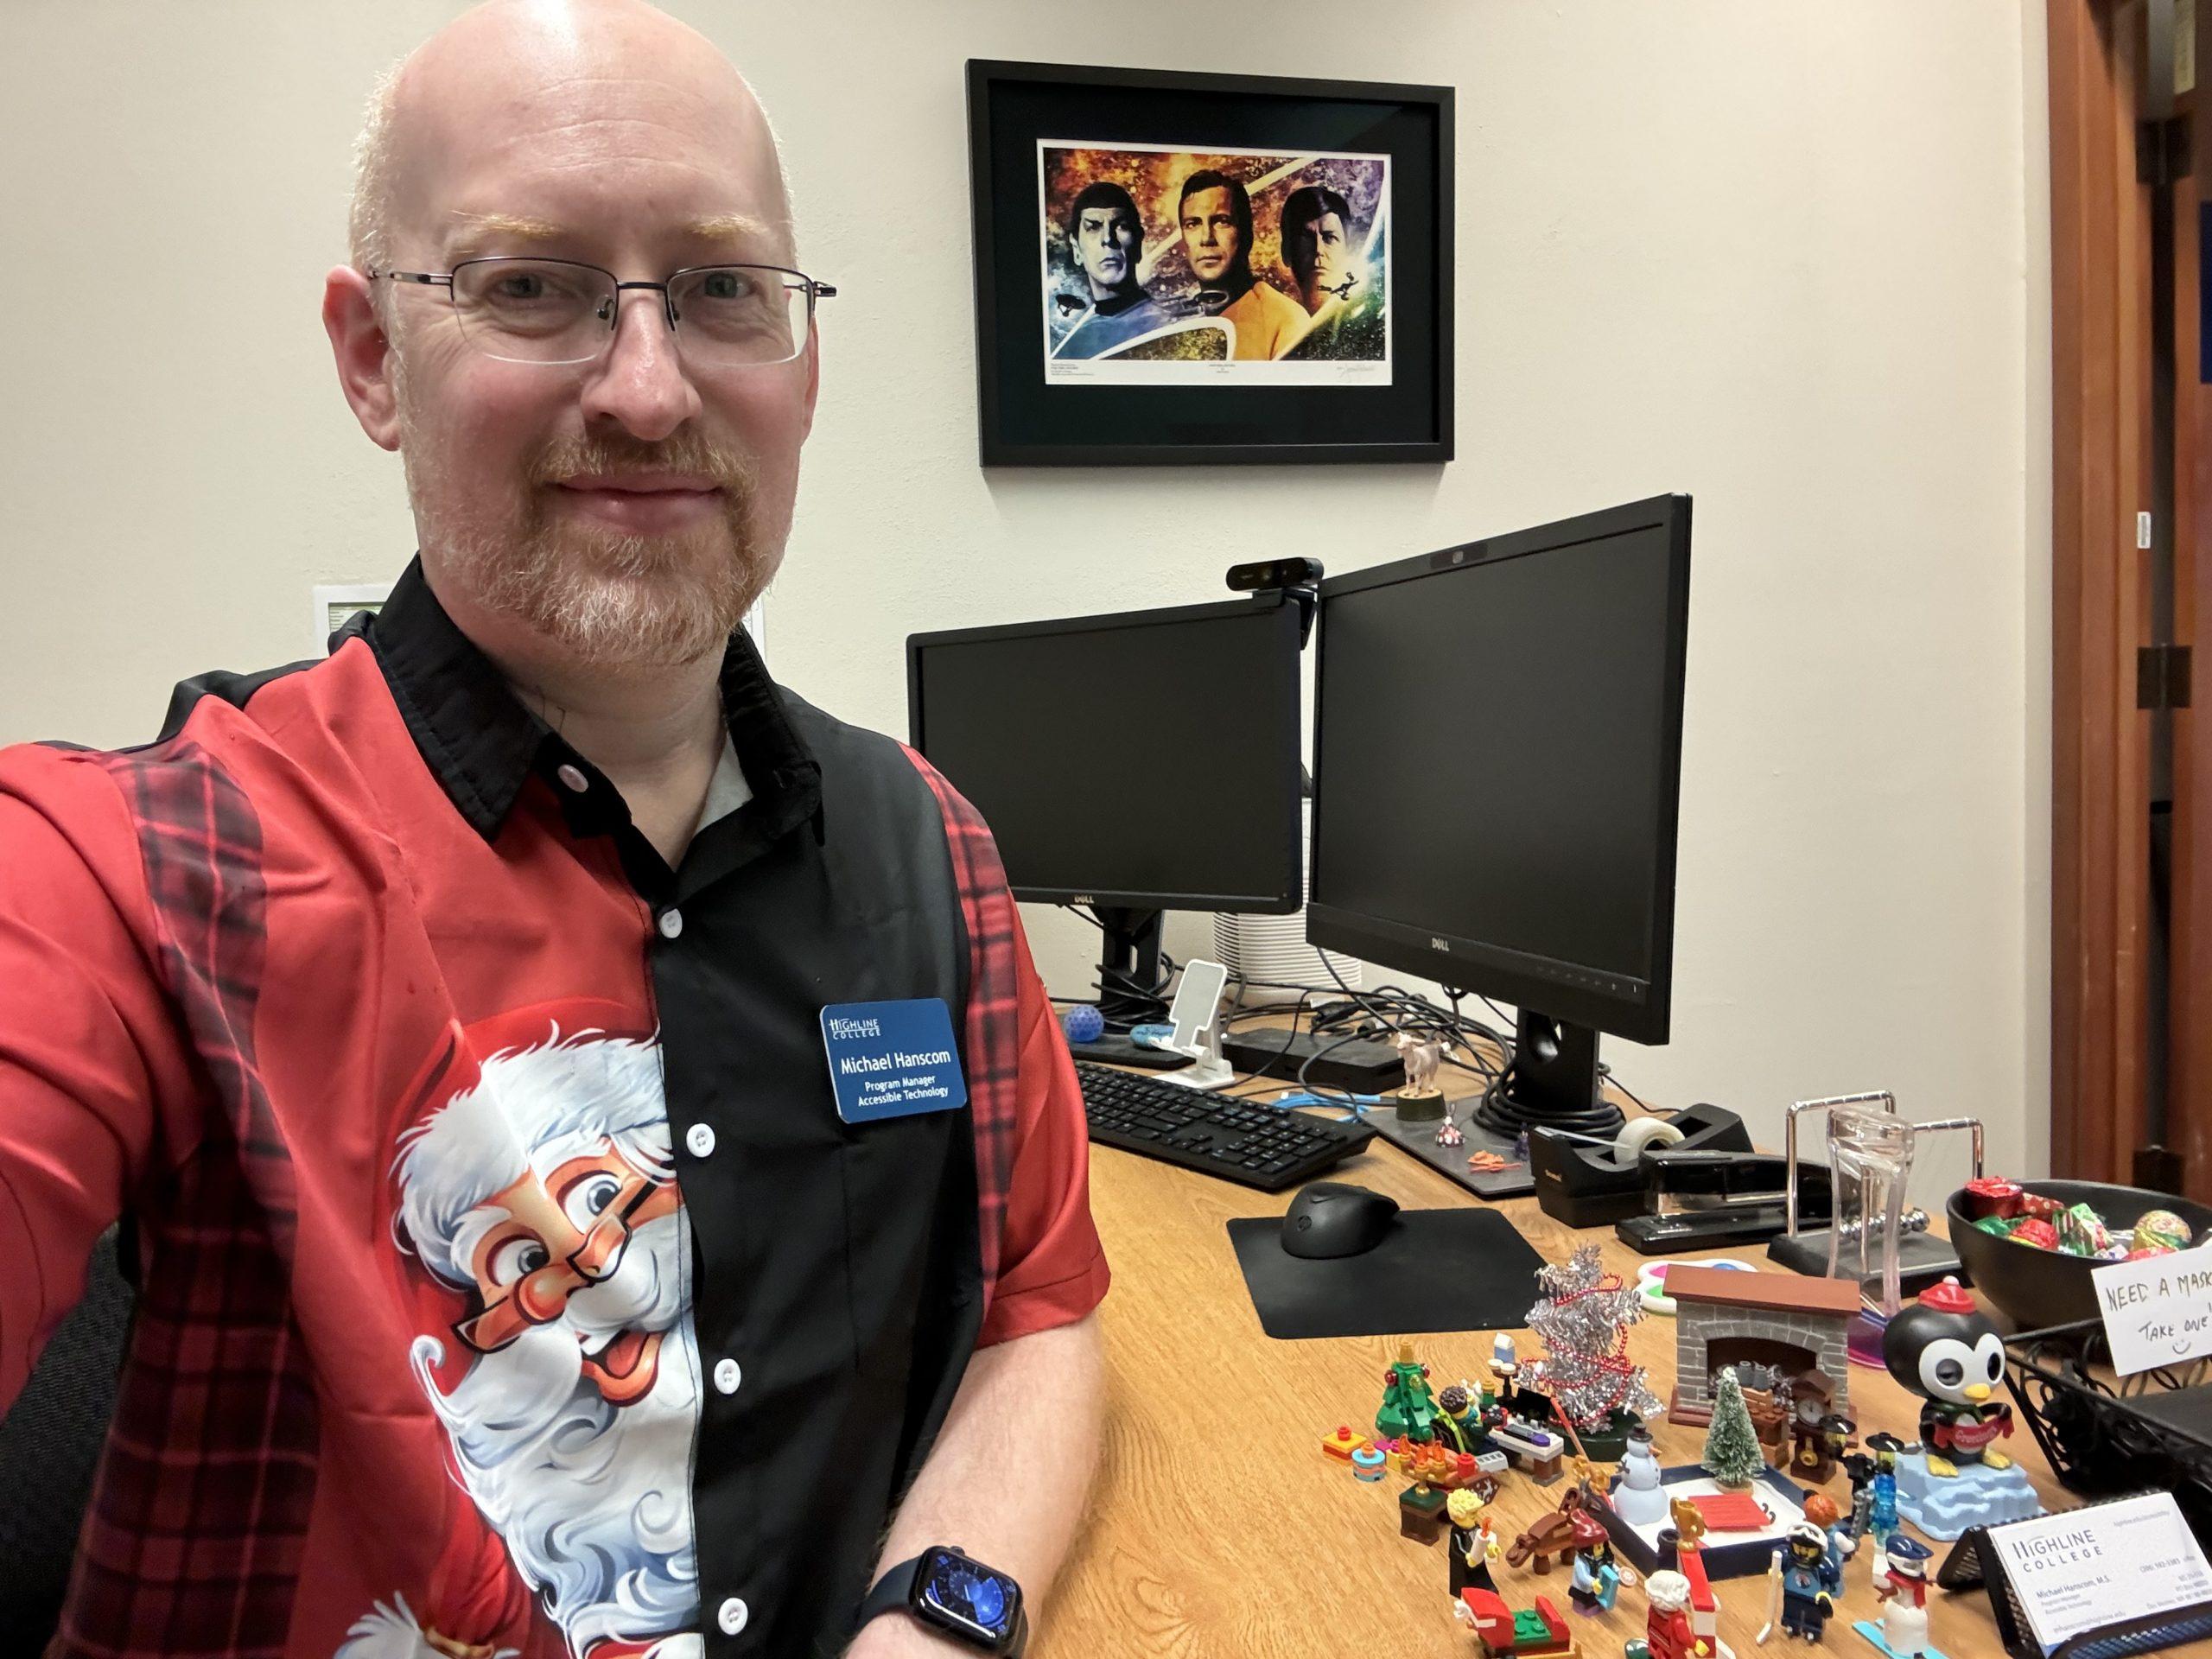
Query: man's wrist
x=951, y=1595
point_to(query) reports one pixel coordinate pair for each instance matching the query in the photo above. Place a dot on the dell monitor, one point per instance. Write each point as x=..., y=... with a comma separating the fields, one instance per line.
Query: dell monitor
x=1497, y=758
x=1131, y=764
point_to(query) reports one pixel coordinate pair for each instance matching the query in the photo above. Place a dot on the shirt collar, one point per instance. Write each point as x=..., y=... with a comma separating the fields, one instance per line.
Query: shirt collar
x=481, y=743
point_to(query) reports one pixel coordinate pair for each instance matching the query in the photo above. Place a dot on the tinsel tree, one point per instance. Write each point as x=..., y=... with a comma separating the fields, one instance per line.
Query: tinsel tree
x=1732, y=1446
x=1583, y=1320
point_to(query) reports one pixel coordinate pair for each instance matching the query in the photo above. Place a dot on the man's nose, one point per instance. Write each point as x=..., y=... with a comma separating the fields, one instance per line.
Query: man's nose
x=641, y=382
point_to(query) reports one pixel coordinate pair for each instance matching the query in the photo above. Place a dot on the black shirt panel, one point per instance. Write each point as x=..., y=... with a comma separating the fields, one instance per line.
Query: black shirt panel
x=839, y=1267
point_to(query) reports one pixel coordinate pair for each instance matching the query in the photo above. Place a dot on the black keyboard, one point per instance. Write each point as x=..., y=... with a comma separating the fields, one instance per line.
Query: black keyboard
x=1245, y=1141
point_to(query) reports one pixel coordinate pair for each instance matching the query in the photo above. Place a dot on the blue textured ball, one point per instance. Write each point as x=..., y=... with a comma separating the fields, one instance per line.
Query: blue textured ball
x=1082, y=1023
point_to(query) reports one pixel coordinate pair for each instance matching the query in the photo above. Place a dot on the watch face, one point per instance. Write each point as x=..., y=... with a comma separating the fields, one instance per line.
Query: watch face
x=968, y=1595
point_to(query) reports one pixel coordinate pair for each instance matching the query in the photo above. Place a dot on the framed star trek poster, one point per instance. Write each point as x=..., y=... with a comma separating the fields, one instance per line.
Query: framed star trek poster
x=1176, y=268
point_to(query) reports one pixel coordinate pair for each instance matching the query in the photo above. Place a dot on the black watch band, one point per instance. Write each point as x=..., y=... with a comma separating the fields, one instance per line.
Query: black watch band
x=898, y=1591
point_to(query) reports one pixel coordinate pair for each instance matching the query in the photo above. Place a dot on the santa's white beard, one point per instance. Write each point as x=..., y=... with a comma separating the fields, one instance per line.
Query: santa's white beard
x=592, y=1499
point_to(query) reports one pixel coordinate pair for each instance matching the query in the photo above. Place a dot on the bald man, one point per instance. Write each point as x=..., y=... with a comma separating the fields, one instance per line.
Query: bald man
x=601, y=1174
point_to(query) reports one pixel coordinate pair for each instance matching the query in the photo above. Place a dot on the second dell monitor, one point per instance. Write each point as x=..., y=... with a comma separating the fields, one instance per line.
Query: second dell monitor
x=1129, y=764
x=1497, y=757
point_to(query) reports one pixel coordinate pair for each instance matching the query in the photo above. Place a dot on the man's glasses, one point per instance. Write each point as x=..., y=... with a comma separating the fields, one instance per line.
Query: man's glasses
x=559, y=311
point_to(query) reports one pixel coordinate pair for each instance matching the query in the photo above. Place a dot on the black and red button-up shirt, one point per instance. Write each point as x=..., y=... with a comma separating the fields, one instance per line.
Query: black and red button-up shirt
x=509, y=1281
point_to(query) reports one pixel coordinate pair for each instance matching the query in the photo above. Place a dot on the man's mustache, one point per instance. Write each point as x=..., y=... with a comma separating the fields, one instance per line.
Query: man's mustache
x=687, y=452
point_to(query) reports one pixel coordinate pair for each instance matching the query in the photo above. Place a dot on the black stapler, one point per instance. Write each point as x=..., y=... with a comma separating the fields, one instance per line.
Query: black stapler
x=1701, y=1199
x=1586, y=1182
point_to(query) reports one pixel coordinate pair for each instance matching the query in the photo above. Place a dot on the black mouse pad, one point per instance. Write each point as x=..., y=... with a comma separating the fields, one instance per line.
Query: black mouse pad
x=1434, y=1270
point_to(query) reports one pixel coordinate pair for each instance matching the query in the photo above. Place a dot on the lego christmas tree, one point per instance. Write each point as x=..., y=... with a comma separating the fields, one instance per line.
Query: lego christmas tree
x=1583, y=1320
x=1409, y=1408
x=1732, y=1448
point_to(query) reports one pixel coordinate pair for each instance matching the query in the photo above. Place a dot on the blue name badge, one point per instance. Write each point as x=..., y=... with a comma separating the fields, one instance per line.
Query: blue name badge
x=893, y=1059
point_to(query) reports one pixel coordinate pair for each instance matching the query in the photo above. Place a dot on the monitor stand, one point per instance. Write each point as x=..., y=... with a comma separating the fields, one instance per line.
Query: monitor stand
x=1129, y=955
x=1553, y=1082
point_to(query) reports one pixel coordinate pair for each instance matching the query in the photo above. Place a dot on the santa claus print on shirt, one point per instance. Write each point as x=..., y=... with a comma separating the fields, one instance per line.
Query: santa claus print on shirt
x=539, y=1199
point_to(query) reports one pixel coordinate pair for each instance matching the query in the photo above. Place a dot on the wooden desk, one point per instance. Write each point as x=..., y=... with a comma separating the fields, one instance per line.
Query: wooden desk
x=1221, y=1531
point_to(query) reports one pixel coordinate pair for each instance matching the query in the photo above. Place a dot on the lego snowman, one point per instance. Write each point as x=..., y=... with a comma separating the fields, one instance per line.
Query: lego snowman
x=1637, y=1497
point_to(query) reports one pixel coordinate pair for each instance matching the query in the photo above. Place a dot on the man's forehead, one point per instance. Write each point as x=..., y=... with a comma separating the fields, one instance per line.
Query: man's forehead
x=615, y=129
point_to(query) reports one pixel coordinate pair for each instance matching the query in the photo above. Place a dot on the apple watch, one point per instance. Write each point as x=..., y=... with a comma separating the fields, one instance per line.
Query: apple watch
x=948, y=1592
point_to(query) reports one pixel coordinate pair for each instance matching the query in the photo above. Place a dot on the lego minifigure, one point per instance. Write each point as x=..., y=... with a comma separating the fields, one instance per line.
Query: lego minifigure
x=1597, y=1578
x=1902, y=1588
x=1460, y=1421
x=1801, y=1593
x=1882, y=1509
x=1667, y=1630
x=1473, y=1544
x=1820, y=1511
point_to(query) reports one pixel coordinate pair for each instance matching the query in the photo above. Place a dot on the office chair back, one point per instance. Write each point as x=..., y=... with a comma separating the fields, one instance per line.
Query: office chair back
x=50, y=1443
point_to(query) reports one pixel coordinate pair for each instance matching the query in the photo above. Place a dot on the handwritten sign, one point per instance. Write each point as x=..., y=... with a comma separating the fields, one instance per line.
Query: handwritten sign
x=2074, y=1571
x=2157, y=1311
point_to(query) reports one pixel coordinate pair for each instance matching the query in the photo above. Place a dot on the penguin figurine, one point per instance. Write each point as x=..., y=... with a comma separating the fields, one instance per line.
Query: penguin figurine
x=1945, y=1348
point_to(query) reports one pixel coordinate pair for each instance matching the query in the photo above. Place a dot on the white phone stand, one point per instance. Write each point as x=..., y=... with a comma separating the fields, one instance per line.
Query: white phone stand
x=1196, y=1017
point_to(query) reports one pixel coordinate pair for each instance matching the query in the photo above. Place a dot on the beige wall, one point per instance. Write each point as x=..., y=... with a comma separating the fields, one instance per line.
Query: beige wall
x=1788, y=259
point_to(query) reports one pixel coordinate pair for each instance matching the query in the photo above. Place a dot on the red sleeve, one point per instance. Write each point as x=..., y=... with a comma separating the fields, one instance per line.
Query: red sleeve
x=1052, y=1269
x=1042, y=1265
x=87, y=1039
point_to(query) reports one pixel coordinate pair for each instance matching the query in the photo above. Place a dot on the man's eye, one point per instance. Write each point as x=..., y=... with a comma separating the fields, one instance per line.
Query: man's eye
x=725, y=285
x=517, y=1259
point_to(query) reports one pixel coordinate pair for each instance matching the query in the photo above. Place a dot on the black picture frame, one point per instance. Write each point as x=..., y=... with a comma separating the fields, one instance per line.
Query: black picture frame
x=1024, y=421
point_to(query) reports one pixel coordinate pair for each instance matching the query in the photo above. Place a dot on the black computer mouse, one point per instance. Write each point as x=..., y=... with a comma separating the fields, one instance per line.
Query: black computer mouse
x=1333, y=1218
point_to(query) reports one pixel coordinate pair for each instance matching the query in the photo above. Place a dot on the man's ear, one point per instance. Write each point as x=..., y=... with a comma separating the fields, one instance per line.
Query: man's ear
x=357, y=339
x=813, y=377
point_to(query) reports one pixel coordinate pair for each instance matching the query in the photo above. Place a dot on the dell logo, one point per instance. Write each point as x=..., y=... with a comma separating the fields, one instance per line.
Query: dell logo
x=1083, y=899
x=1440, y=945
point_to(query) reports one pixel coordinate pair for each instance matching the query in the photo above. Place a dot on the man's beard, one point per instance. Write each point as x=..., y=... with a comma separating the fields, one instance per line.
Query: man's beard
x=592, y=1500
x=606, y=597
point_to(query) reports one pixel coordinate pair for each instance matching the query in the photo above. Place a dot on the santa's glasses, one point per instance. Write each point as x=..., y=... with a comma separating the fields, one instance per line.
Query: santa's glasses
x=541, y=1296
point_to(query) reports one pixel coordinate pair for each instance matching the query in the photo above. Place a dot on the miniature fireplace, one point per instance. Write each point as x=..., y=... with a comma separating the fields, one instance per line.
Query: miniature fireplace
x=1787, y=1322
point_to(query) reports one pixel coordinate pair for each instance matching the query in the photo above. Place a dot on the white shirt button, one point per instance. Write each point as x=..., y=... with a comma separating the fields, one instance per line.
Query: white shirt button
x=731, y=1616
x=700, y=1137
x=726, y=1376
x=571, y=778
x=672, y=922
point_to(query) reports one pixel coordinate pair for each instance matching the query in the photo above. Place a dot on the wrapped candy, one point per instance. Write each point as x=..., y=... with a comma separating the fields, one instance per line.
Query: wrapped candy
x=2081, y=1230
x=1997, y=1225
x=2037, y=1232
x=2041, y=1205
x=2141, y=1251
x=1993, y=1196
x=2161, y=1227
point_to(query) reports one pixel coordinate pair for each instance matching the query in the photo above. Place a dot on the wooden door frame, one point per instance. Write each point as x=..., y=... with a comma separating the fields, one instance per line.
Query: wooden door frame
x=2100, y=348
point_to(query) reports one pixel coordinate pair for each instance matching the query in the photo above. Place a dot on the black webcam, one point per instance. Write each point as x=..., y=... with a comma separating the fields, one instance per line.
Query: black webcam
x=1274, y=573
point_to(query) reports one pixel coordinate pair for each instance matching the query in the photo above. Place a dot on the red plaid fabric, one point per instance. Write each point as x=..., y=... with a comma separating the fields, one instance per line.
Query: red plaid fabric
x=992, y=1036
x=1022, y=1091
x=192, y=1540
